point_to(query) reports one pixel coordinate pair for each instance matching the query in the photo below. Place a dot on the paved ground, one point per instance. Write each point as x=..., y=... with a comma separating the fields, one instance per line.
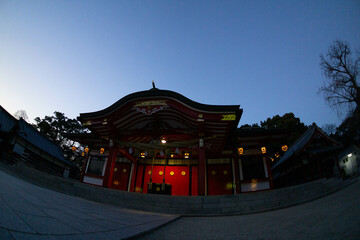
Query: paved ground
x=336, y=216
x=30, y=212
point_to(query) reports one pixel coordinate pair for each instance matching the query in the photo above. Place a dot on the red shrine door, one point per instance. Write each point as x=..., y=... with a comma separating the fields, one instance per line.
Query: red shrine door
x=219, y=179
x=121, y=176
x=179, y=177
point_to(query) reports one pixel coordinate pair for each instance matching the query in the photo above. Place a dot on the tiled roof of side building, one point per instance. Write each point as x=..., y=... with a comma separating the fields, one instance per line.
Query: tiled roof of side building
x=7, y=121
x=301, y=142
x=30, y=134
x=297, y=145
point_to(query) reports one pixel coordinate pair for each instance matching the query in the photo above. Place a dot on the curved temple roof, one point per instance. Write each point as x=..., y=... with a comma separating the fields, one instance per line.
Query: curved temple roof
x=155, y=92
x=170, y=114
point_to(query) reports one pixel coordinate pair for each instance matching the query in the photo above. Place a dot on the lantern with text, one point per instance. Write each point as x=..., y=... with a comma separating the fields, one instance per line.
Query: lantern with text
x=240, y=151
x=102, y=150
x=82, y=154
x=86, y=150
x=73, y=148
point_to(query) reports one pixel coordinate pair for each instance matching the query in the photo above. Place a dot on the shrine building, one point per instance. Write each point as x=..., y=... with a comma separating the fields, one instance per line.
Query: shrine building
x=160, y=142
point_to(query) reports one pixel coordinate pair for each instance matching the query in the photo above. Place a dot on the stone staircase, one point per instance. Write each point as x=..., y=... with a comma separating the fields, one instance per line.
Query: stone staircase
x=245, y=203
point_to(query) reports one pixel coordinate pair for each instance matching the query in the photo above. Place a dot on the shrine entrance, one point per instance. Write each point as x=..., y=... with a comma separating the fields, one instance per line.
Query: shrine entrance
x=156, y=141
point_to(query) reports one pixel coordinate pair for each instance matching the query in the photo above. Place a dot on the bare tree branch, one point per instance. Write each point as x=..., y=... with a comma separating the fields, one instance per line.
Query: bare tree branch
x=341, y=71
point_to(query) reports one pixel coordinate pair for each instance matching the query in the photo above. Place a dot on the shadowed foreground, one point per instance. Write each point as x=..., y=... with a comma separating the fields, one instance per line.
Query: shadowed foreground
x=336, y=216
x=28, y=211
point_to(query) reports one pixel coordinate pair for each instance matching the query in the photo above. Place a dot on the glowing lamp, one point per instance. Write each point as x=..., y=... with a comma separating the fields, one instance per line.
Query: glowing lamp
x=240, y=151
x=142, y=155
x=284, y=148
x=163, y=140
x=277, y=155
x=86, y=150
x=186, y=155
x=102, y=150
x=82, y=154
x=263, y=150
x=73, y=148
x=349, y=155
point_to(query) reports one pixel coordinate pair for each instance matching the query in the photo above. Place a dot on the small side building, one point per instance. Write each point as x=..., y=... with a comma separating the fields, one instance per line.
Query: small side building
x=349, y=161
x=312, y=156
x=21, y=141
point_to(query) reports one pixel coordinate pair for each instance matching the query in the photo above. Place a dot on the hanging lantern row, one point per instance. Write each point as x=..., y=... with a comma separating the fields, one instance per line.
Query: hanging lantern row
x=284, y=148
x=142, y=154
x=102, y=150
x=162, y=153
x=74, y=149
x=241, y=150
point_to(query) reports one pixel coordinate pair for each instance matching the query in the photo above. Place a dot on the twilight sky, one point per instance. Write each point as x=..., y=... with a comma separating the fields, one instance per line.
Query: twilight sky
x=82, y=56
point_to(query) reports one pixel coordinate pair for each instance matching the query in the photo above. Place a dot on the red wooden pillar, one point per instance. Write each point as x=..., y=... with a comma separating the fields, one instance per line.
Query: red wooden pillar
x=84, y=166
x=270, y=176
x=133, y=176
x=318, y=165
x=237, y=173
x=109, y=171
x=202, y=172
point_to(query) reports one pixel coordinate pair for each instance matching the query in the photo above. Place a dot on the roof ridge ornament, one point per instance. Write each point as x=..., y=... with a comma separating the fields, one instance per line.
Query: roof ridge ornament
x=153, y=84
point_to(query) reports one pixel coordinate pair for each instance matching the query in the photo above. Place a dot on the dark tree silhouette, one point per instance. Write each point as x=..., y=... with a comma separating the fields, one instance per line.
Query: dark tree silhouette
x=56, y=129
x=21, y=114
x=287, y=121
x=342, y=88
x=329, y=129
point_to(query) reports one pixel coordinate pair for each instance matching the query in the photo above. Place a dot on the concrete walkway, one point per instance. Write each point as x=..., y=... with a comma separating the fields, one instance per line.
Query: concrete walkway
x=28, y=211
x=31, y=212
x=334, y=217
